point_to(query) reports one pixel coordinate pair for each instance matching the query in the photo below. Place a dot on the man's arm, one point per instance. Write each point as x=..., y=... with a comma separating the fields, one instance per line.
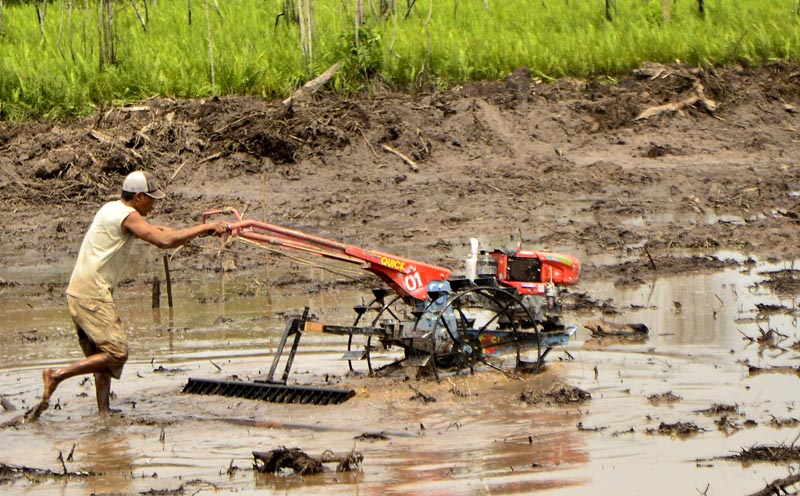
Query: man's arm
x=165, y=237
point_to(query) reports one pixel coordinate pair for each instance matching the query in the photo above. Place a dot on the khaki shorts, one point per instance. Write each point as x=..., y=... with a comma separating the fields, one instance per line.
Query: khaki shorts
x=100, y=330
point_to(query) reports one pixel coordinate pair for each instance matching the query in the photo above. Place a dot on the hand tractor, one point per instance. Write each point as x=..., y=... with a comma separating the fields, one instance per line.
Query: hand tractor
x=507, y=302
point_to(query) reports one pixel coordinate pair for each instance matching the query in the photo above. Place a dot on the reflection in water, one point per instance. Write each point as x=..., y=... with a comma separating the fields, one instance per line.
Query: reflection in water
x=696, y=310
x=488, y=443
x=107, y=451
x=288, y=481
x=520, y=452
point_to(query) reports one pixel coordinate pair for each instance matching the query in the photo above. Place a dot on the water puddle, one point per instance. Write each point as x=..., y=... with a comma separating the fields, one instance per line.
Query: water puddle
x=702, y=347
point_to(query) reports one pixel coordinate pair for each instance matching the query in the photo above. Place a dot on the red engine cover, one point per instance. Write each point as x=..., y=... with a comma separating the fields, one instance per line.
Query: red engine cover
x=530, y=271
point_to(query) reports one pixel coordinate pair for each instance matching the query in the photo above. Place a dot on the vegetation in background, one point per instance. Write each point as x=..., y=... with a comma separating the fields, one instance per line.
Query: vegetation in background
x=62, y=58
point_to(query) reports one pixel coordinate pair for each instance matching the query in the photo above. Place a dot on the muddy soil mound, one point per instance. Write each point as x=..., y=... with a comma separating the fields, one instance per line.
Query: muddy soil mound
x=668, y=158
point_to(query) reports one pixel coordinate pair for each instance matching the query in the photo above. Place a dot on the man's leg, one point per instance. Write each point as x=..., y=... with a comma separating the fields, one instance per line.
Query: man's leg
x=95, y=364
x=102, y=340
x=102, y=387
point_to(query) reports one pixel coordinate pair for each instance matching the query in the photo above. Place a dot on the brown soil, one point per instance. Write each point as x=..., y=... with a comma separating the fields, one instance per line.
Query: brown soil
x=559, y=394
x=561, y=165
x=565, y=165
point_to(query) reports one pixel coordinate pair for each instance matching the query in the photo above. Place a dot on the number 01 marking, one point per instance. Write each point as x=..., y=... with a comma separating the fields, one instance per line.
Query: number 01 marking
x=413, y=281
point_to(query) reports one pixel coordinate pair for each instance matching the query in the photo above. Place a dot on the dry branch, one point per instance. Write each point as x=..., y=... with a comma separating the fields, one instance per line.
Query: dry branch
x=426, y=398
x=30, y=474
x=779, y=486
x=344, y=463
x=139, y=15
x=102, y=138
x=314, y=85
x=133, y=108
x=407, y=160
x=698, y=97
x=368, y=143
x=177, y=171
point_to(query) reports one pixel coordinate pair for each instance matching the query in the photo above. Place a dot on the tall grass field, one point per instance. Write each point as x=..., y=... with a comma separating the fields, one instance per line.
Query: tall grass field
x=62, y=58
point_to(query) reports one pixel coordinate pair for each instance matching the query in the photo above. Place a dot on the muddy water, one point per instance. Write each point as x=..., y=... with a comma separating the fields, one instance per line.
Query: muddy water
x=486, y=442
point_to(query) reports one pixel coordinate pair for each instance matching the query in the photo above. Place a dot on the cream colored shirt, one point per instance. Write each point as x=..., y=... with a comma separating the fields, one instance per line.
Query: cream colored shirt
x=103, y=254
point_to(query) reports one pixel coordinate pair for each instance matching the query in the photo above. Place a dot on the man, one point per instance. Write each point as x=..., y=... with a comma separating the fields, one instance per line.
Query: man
x=100, y=263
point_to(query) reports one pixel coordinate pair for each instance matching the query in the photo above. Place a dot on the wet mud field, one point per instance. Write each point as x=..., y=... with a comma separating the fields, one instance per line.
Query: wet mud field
x=678, y=189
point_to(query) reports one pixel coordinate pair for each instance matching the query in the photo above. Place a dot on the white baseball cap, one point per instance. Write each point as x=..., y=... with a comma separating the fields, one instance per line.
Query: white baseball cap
x=142, y=182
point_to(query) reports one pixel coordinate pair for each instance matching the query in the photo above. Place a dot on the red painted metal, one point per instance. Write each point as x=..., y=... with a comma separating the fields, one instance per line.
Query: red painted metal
x=555, y=268
x=407, y=277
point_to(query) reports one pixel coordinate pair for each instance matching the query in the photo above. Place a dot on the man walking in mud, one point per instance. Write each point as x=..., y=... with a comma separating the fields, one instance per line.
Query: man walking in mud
x=101, y=260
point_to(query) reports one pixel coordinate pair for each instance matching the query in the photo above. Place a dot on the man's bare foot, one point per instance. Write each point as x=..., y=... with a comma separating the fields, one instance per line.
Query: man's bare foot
x=34, y=413
x=50, y=384
x=110, y=417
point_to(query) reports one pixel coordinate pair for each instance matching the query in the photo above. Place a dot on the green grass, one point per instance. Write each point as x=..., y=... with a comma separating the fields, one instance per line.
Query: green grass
x=58, y=76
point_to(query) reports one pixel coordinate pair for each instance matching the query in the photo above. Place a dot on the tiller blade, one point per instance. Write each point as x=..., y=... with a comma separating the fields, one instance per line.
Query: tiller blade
x=272, y=390
x=273, y=393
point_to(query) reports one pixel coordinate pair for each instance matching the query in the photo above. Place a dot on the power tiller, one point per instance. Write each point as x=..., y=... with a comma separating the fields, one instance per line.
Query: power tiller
x=507, y=302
